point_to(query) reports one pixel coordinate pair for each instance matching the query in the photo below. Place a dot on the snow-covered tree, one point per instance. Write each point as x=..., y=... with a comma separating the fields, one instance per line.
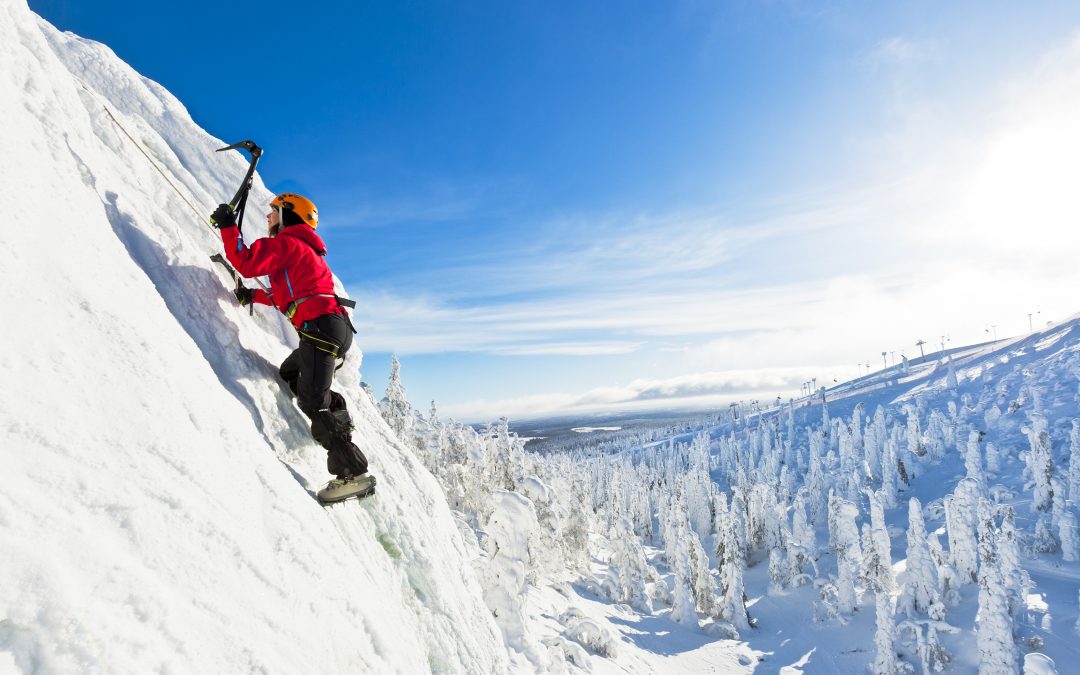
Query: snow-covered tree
x=885, y=661
x=844, y=541
x=961, y=521
x=704, y=586
x=1076, y=626
x=920, y=588
x=877, y=559
x=395, y=407
x=916, y=445
x=1014, y=577
x=1072, y=481
x=803, y=533
x=947, y=577
x=1040, y=464
x=993, y=459
x=997, y=650
x=1045, y=541
x=683, y=608
x=778, y=572
x=1070, y=541
x=973, y=458
x=732, y=566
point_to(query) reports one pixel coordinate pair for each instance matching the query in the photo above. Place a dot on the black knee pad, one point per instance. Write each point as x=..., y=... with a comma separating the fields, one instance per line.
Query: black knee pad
x=337, y=401
x=329, y=426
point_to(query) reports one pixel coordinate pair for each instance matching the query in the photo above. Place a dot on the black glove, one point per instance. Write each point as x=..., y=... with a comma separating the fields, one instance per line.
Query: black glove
x=223, y=217
x=243, y=295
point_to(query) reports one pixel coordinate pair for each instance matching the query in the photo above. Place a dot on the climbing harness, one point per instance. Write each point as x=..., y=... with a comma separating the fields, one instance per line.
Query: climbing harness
x=290, y=310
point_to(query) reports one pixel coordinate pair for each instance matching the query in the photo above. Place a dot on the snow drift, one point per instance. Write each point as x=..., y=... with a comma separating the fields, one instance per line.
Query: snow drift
x=156, y=509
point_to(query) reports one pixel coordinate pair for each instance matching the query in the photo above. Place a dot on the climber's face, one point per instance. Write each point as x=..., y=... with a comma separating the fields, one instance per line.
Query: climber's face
x=273, y=221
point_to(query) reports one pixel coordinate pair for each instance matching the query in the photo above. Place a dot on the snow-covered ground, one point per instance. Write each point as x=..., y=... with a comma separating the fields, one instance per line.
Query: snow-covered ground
x=156, y=490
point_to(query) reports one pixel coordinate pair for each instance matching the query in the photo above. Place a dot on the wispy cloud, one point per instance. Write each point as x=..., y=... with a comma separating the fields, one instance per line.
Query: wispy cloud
x=701, y=390
x=981, y=233
x=900, y=50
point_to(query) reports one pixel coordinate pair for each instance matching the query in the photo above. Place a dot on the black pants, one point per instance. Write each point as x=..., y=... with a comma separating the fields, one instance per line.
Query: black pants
x=309, y=372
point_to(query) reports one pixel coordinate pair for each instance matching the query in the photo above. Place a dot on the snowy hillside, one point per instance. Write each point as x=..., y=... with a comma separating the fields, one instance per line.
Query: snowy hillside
x=919, y=519
x=156, y=509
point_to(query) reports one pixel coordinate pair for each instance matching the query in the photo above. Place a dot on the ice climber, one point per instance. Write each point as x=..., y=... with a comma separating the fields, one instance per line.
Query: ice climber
x=302, y=288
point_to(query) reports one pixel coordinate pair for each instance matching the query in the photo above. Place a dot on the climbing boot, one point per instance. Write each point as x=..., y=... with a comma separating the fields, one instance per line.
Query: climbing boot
x=351, y=487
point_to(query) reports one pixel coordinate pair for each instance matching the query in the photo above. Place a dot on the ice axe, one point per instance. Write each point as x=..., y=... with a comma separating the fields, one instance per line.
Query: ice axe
x=239, y=202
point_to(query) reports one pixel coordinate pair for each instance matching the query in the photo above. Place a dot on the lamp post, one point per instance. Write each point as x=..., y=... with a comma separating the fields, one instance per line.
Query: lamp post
x=884, y=360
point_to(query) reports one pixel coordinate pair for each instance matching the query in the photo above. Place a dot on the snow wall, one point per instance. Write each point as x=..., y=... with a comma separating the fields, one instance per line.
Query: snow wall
x=156, y=508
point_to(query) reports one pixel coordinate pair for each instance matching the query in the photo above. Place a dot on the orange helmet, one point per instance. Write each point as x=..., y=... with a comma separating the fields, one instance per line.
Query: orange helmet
x=300, y=205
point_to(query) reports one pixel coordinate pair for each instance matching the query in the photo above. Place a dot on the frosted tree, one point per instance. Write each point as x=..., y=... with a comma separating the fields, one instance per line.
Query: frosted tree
x=961, y=522
x=1014, y=576
x=432, y=441
x=993, y=459
x=1044, y=540
x=816, y=482
x=916, y=446
x=947, y=577
x=704, y=586
x=683, y=606
x=395, y=407
x=504, y=577
x=507, y=452
x=890, y=477
x=844, y=541
x=1040, y=464
x=575, y=534
x=997, y=650
x=951, y=381
x=920, y=588
x=545, y=546
x=1070, y=546
x=938, y=428
x=1072, y=481
x=732, y=566
x=871, y=452
x=885, y=661
x=973, y=458
x=877, y=560
x=1076, y=626
x=789, y=442
x=803, y=533
x=824, y=411
x=849, y=477
x=778, y=572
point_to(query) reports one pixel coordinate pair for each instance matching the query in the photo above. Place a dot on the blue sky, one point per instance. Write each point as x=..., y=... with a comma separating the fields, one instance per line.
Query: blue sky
x=552, y=206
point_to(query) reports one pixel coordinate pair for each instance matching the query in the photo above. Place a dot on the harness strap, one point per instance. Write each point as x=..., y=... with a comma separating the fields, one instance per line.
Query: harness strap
x=327, y=346
x=290, y=310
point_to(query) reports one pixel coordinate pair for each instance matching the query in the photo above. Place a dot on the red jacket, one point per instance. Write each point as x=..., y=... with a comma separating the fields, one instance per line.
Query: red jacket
x=294, y=261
